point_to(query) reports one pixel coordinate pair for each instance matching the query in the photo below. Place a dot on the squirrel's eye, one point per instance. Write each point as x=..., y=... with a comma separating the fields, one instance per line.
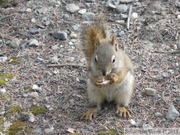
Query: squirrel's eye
x=113, y=59
x=96, y=59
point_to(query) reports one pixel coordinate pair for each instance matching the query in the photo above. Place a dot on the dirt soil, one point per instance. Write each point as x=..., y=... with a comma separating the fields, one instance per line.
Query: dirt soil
x=152, y=42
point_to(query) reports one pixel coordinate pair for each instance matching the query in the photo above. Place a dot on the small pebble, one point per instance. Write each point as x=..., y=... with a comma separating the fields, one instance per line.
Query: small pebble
x=70, y=43
x=120, y=21
x=126, y=1
x=124, y=16
x=28, y=10
x=38, y=130
x=49, y=130
x=15, y=42
x=60, y=35
x=34, y=42
x=146, y=127
x=121, y=33
x=76, y=27
x=109, y=4
x=3, y=90
x=31, y=118
x=33, y=20
x=82, y=11
x=3, y=59
x=134, y=15
x=73, y=35
x=54, y=47
x=54, y=59
x=34, y=94
x=172, y=113
x=88, y=16
x=33, y=30
x=158, y=114
x=39, y=59
x=36, y=88
x=166, y=74
x=72, y=8
x=122, y=8
x=150, y=91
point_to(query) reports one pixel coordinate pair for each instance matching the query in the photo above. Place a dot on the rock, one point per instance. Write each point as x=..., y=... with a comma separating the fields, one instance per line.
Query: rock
x=45, y=21
x=134, y=15
x=66, y=17
x=54, y=59
x=73, y=35
x=166, y=74
x=33, y=20
x=110, y=5
x=132, y=122
x=72, y=8
x=88, y=16
x=126, y=1
x=150, y=91
x=36, y=88
x=158, y=114
x=82, y=11
x=138, y=123
x=122, y=8
x=34, y=94
x=29, y=10
x=54, y=47
x=172, y=113
x=3, y=59
x=70, y=59
x=120, y=21
x=60, y=35
x=124, y=16
x=33, y=42
x=31, y=118
x=71, y=43
x=156, y=96
x=121, y=33
x=42, y=10
x=76, y=27
x=15, y=42
x=39, y=59
x=146, y=127
x=3, y=90
x=6, y=125
x=178, y=17
x=116, y=2
x=33, y=30
x=49, y=130
x=37, y=130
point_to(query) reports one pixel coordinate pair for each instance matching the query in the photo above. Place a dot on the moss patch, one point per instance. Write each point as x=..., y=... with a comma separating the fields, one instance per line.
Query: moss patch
x=5, y=77
x=13, y=60
x=1, y=120
x=14, y=109
x=4, y=96
x=17, y=126
x=109, y=132
x=38, y=109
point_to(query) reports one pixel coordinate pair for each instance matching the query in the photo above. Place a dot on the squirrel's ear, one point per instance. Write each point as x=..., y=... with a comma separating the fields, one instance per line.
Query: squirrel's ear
x=114, y=42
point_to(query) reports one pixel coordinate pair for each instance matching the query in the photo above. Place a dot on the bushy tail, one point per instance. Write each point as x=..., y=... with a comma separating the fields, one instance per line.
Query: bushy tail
x=96, y=30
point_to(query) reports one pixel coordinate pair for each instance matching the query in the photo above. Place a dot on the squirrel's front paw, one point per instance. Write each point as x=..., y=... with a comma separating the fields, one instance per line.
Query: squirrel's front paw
x=123, y=112
x=113, y=78
x=91, y=113
x=99, y=81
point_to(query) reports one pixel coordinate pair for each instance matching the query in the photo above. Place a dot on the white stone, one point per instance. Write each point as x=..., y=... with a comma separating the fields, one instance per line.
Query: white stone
x=134, y=15
x=72, y=8
x=3, y=90
x=82, y=11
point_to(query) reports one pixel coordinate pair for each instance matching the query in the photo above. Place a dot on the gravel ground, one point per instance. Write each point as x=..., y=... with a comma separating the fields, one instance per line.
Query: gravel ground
x=43, y=71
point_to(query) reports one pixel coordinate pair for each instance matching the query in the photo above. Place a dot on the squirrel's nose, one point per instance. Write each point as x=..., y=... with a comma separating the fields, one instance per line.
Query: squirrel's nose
x=103, y=72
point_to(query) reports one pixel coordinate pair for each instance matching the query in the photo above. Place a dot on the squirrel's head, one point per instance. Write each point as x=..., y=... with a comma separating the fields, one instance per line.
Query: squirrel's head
x=106, y=57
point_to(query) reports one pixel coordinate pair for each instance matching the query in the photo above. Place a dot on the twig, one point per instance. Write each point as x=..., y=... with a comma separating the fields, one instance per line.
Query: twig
x=129, y=16
x=6, y=16
x=64, y=65
x=173, y=52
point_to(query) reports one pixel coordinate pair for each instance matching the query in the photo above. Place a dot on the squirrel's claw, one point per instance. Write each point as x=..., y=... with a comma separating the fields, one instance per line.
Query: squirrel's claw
x=91, y=113
x=123, y=112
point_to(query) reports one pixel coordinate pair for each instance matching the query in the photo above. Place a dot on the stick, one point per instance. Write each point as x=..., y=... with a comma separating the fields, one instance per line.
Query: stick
x=64, y=65
x=129, y=16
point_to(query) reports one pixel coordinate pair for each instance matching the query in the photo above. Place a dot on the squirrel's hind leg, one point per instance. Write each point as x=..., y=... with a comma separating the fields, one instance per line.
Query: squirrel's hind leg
x=91, y=113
